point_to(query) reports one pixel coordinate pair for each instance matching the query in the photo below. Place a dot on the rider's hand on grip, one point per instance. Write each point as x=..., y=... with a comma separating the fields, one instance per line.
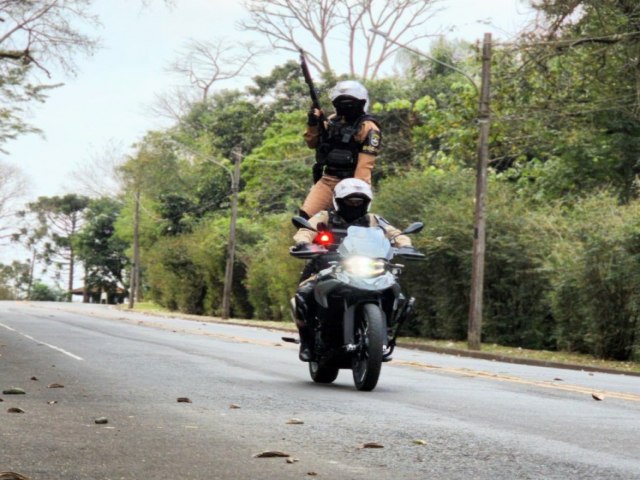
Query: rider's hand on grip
x=298, y=247
x=409, y=252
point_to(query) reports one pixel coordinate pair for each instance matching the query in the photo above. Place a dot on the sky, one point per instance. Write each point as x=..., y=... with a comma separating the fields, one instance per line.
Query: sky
x=107, y=102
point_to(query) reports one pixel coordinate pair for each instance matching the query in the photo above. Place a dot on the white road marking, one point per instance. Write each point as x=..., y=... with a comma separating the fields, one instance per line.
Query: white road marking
x=61, y=350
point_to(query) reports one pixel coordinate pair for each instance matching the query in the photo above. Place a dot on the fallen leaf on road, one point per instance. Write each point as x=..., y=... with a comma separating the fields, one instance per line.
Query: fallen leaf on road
x=14, y=391
x=52, y=402
x=184, y=400
x=12, y=476
x=292, y=460
x=101, y=420
x=597, y=396
x=558, y=380
x=420, y=442
x=34, y=379
x=15, y=410
x=1, y=400
x=271, y=454
x=55, y=385
x=312, y=474
x=233, y=405
x=371, y=445
x=295, y=421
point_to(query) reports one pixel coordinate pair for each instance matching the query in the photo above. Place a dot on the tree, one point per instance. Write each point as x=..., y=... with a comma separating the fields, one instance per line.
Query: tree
x=36, y=36
x=203, y=64
x=15, y=279
x=567, y=99
x=292, y=25
x=13, y=185
x=62, y=217
x=98, y=247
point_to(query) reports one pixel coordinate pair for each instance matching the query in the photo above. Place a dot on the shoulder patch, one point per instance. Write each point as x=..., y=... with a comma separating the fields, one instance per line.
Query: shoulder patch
x=372, y=142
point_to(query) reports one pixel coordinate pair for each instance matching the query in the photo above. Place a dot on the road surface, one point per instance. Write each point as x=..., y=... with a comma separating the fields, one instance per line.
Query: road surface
x=435, y=416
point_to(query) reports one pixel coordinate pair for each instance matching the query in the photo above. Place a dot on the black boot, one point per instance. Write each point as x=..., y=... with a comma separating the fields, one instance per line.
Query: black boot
x=305, y=342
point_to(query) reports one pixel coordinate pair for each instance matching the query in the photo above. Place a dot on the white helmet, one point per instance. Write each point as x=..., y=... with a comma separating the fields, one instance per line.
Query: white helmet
x=352, y=188
x=350, y=88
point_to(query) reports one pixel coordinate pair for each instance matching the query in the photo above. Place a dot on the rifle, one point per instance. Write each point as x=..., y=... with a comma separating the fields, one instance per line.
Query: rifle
x=315, y=103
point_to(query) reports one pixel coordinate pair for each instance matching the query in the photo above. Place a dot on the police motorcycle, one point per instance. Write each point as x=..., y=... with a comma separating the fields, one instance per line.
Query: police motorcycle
x=359, y=307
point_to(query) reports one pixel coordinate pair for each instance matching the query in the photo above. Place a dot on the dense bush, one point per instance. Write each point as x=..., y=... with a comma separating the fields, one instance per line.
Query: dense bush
x=516, y=311
x=595, y=294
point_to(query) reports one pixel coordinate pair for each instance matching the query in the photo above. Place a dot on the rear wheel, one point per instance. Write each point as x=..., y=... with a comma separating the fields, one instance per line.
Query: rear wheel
x=322, y=372
x=369, y=336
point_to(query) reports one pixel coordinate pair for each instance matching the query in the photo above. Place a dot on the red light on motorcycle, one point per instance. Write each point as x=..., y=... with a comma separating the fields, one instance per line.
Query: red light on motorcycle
x=324, y=239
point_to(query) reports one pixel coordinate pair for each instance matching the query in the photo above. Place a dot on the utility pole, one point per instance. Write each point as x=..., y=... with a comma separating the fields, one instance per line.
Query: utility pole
x=231, y=249
x=479, y=231
x=134, y=284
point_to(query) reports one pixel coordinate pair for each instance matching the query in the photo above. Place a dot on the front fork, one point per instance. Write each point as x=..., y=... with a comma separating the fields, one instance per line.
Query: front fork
x=349, y=323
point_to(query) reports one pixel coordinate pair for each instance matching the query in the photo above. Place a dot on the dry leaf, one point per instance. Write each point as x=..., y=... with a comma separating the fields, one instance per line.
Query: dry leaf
x=233, y=405
x=12, y=476
x=34, y=379
x=558, y=380
x=271, y=454
x=14, y=391
x=371, y=445
x=15, y=410
x=184, y=400
x=597, y=396
x=295, y=421
x=55, y=385
x=292, y=460
x=101, y=420
x=312, y=474
x=420, y=442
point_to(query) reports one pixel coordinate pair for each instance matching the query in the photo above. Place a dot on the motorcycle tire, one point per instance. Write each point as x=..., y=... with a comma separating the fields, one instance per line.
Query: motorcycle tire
x=367, y=360
x=322, y=372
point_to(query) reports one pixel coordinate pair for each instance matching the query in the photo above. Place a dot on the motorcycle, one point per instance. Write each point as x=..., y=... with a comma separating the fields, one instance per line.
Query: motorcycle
x=354, y=306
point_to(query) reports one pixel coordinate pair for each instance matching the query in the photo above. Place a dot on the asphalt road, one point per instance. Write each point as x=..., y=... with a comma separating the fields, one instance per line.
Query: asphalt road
x=436, y=416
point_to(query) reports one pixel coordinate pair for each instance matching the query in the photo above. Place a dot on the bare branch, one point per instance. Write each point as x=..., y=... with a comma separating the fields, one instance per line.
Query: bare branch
x=205, y=63
x=294, y=24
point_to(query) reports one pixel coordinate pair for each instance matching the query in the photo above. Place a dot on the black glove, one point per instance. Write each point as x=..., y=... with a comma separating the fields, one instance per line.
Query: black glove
x=312, y=118
x=299, y=247
x=317, y=172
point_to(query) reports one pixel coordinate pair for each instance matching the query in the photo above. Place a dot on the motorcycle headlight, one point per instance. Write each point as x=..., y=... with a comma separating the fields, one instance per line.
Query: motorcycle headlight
x=363, y=266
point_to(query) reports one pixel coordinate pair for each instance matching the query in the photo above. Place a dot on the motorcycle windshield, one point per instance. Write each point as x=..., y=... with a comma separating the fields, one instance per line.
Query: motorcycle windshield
x=365, y=241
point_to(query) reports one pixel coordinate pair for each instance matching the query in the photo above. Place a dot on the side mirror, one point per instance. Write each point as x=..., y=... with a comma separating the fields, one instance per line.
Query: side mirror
x=413, y=228
x=300, y=222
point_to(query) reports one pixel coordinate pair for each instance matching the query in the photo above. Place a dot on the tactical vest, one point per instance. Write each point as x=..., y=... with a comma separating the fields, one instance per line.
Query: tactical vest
x=338, y=149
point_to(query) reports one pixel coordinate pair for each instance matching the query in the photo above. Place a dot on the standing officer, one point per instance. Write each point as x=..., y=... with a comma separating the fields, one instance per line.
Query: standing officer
x=346, y=146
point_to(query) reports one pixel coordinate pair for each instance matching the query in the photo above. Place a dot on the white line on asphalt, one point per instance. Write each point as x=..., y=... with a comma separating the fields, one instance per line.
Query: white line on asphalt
x=61, y=350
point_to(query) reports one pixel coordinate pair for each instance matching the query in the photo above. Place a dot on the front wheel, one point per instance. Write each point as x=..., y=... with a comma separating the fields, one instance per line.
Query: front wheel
x=369, y=336
x=322, y=372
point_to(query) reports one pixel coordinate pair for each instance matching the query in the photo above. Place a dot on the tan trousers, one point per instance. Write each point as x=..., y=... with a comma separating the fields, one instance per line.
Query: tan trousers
x=320, y=197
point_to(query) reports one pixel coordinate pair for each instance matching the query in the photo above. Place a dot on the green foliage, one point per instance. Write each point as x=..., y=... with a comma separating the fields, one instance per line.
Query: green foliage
x=594, y=277
x=277, y=175
x=186, y=272
x=515, y=308
x=41, y=292
x=15, y=279
x=100, y=250
x=273, y=274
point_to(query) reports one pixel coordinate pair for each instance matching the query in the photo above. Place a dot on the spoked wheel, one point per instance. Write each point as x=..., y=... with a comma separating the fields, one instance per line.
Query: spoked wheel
x=323, y=372
x=367, y=360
